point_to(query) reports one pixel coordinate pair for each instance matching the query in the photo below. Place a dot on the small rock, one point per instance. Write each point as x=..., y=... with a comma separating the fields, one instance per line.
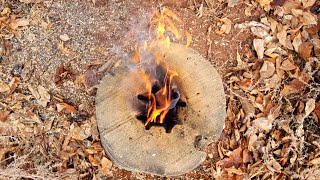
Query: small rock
x=210, y=156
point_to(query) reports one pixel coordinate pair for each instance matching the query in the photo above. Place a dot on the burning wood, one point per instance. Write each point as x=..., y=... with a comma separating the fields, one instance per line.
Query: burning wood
x=161, y=96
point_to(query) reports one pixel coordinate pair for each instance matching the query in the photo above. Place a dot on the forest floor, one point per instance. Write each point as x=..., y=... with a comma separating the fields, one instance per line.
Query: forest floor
x=54, y=52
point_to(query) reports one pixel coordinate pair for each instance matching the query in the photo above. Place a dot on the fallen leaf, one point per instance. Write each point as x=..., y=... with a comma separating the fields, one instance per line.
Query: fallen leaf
x=259, y=32
x=13, y=84
x=41, y=94
x=310, y=106
x=308, y=3
x=267, y=69
x=297, y=42
x=4, y=115
x=263, y=124
x=309, y=19
x=247, y=158
x=31, y=1
x=189, y=38
x=60, y=71
x=315, y=161
x=234, y=159
x=93, y=161
x=287, y=65
x=282, y=36
x=21, y=22
x=4, y=87
x=258, y=45
x=305, y=50
x=293, y=86
x=80, y=133
x=106, y=165
x=278, y=2
x=317, y=111
x=226, y=27
x=66, y=108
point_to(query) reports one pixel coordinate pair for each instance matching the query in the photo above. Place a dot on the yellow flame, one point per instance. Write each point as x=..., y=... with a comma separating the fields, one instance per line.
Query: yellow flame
x=159, y=103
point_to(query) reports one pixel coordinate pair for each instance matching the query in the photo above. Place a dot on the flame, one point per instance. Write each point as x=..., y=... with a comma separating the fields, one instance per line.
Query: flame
x=162, y=23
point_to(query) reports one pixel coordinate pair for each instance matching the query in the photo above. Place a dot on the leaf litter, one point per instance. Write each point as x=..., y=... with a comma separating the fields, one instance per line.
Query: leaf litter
x=273, y=113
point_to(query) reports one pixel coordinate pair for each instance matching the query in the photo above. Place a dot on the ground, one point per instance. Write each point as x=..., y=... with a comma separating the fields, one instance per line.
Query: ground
x=54, y=52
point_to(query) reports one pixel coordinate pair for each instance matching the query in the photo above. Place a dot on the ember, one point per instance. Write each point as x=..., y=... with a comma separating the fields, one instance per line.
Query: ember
x=162, y=98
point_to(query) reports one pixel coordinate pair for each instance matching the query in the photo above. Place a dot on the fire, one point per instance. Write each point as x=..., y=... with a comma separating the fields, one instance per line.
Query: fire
x=159, y=91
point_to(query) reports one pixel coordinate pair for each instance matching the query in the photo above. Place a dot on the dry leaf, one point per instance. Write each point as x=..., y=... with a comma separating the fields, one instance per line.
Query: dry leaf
x=287, y=65
x=265, y=4
x=309, y=19
x=235, y=159
x=317, y=111
x=263, y=124
x=4, y=115
x=106, y=165
x=310, y=106
x=41, y=94
x=66, y=108
x=315, y=161
x=93, y=161
x=80, y=133
x=293, y=87
x=19, y=23
x=226, y=27
x=13, y=84
x=31, y=1
x=258, y=45
x=297, y=42
x=4, y=87
x=64, y=37
x=308, y=3
x=282, y=36
x=267, y=69
x=259, y=31
x=305, y=50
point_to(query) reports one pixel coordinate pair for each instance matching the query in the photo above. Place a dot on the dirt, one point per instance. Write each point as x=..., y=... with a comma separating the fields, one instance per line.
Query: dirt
x=38, y=56
x=70, y=70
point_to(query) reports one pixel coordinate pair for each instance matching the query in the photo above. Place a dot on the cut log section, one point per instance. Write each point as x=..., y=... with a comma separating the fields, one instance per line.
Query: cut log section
x=154, y=151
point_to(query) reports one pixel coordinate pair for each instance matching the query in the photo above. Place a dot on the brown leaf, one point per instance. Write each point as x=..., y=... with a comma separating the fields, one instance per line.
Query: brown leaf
x=41, y=94
x=13, y=84
x=106, y=165
x=310, y=106
x=93, y=161
x=315, y=161
x=305, y=50
x=226, y=27
x=4, y=115
x=235, y=159
x=293, y=86
x=277, y=2
x=80, y=133
x=67, y=108
x=282, y=36
x=4, y=87
x=263, y=123
x=58, y=75
x=258, y=45
x=267, y=69
x=317, y=111
x=19, y=23
x=247, y=158
x=287, y=65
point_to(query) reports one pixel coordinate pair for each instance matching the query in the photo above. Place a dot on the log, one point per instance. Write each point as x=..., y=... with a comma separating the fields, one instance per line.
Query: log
x=130, y=146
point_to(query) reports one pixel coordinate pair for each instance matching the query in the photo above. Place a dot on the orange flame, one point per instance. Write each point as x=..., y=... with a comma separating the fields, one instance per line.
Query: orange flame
x=159, y=103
